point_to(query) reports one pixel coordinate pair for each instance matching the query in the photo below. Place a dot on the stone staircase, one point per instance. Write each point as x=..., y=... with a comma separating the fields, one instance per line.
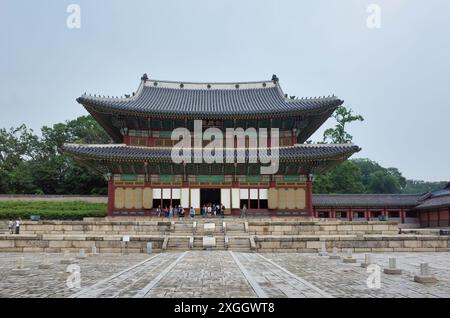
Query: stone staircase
x=178, y=243
x=239, y=243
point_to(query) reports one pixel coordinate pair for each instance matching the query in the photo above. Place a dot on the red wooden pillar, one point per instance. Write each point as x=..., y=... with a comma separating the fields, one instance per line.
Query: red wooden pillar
x=110, y=197
x=350, y=214
x=150, y=141
x=402, y=215
x=448, y=216
x=309, y=203
x=367, y=213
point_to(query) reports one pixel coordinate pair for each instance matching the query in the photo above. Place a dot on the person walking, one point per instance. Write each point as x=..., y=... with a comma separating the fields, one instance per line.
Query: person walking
x=10, y=226
x=222, y=211
x=192, y=212
x=170, y=212
x=244, y=211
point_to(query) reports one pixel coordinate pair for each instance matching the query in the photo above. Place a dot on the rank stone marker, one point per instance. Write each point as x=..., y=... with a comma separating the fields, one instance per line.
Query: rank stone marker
x=368, y=260
x=334, y=254
x=349, y=257
x=392, y=269
x=323, y=251
x=20, y=268
x=149, y=247
x=425, y=277
x=46, y=263
x=66, y=259
x=94, y=250
x=82, y=254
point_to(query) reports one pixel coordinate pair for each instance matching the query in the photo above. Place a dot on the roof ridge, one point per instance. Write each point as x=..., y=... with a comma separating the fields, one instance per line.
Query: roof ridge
x=93, y=145
x=327, y=145
x=206, y=83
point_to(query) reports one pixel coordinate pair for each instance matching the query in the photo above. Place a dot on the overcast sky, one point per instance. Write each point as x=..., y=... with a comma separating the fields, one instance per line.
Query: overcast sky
x=397, y=76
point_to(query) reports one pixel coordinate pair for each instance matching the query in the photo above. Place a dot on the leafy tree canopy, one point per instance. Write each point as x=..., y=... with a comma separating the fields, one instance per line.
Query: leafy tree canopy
x=33, y=165
x=339, y=134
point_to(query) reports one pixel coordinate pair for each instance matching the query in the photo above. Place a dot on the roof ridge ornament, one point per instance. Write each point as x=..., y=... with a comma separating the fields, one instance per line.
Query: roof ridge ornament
x=144, y=77
x=275, y=79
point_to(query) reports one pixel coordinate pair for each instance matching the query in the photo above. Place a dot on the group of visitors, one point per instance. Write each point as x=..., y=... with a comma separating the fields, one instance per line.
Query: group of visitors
x=213, y=210
x=178, y=211
x=207, y=210
x=14, y=226
x=171, y=212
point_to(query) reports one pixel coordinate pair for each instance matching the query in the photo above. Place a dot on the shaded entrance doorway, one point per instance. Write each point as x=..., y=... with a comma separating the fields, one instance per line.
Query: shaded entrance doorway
x=209, y=196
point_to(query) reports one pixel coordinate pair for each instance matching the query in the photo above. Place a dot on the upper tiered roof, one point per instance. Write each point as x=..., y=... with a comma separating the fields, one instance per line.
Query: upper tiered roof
x=252, y=100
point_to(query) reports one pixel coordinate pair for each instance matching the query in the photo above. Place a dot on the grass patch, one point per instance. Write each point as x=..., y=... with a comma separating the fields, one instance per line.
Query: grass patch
x=50, y=210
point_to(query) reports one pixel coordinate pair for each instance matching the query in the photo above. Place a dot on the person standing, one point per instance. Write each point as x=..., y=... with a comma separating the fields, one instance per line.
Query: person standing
x=244, y=211
x=181, y=209
x=170, y=212
x=222, y=211
x=158, y=211
x=10, y=226
x=18, y=226
x=209, y=211
x=192, y=212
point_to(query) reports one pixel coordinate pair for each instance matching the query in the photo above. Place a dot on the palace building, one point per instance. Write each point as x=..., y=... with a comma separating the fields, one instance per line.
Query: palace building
x=142, y=175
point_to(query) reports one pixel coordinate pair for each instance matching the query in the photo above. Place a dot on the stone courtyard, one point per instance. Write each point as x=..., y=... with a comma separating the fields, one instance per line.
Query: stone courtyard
x=219, y=274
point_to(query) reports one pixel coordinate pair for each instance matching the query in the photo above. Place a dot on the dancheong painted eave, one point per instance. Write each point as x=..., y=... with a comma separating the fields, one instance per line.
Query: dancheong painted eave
x=121, y=152
x=246, y=100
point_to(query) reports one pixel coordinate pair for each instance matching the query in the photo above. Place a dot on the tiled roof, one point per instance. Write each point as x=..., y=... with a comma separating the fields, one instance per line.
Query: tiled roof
x=438, y=202
x=263, y=99
x=435, y=199
x=306, y=152
x=365, y=200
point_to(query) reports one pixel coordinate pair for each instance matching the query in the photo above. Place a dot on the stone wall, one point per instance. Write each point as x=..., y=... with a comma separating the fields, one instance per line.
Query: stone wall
x=321, y=227
x=264, y=243
x=366, y=243
x=73, y=243
x=159, y=227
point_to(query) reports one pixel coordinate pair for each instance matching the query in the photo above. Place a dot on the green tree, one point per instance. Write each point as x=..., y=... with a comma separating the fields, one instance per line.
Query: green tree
x=419, y=186
x=383, y=182
x=17, y=147
x=29, y=164
x=56, y=173
x=344, y=178
x=360, y=176
x=338, y=134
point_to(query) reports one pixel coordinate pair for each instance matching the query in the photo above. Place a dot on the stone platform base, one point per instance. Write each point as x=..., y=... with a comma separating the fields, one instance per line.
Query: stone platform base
x=425, y=279
x=392, y=271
